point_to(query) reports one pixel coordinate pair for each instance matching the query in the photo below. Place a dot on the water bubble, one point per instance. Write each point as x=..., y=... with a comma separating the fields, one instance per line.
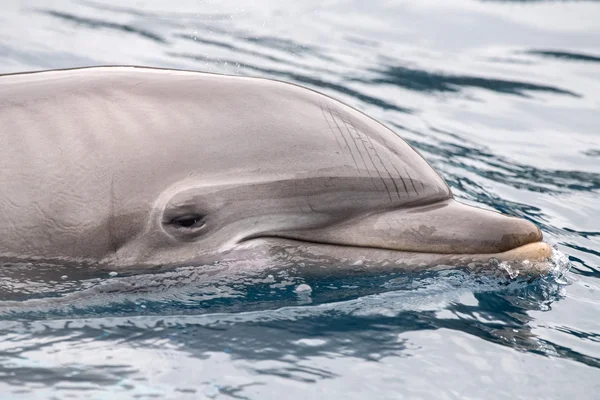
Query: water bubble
x=303, y=288
x=512, y=273
x=560, y=265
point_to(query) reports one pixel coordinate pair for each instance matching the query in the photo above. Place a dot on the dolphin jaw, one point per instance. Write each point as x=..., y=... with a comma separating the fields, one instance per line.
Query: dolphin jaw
x=530, y=259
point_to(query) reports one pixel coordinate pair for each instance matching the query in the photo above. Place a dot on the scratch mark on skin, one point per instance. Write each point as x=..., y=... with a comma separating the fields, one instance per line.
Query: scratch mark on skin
x=310, y=205
x=357, y=133
x=417, y=235
x=345, y=140
x=411, y=181
x=393, y=181
x=353, y=139
x=377, y=169
x=331, y=128
x=384, y=167
x=400, y=176
x=11, y=202
x=393, y=165
x=387, y=188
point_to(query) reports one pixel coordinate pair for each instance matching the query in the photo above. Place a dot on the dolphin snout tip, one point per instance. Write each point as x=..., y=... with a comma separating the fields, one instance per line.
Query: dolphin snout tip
x=465, y=229
x=519, y=232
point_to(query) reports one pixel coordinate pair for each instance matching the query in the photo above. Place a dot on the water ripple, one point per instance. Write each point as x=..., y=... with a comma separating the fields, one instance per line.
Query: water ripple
x=565, y=55
x=432, y=335
x=427, y=81
x=95, y=23
x=299, y=78
x=506, y=171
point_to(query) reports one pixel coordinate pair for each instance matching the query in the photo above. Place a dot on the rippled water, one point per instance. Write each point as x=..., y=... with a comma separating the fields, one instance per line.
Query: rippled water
x=502, y=97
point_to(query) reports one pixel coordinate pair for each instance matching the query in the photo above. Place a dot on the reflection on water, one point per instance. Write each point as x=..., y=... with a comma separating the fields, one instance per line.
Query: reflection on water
x=565, y=55
x=419, y=80
x=96, y=23
x=358, y=317
x=499, y=96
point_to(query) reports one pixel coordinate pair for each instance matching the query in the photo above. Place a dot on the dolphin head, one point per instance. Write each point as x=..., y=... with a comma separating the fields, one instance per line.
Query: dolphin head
x=130, y=167
x=273, y=165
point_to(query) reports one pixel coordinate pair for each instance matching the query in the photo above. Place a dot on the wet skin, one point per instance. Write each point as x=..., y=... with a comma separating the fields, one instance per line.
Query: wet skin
x=130, y=168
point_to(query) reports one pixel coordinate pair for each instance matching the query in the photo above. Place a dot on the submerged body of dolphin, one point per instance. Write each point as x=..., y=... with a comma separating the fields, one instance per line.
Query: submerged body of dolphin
x=128, y=167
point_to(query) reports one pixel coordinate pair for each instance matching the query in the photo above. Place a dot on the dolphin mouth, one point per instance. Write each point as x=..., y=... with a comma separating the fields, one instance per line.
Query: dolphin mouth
x=531, y=260
x=438, y=232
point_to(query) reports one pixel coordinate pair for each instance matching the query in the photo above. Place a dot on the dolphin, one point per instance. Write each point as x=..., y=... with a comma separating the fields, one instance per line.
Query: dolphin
x=129, y=168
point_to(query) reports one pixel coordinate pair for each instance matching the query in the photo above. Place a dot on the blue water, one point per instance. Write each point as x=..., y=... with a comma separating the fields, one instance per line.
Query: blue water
x=501, y=97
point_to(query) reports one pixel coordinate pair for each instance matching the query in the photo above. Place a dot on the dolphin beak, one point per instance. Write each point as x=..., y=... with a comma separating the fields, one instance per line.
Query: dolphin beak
x=451, y=227
x=447, y=227
x=438, y=235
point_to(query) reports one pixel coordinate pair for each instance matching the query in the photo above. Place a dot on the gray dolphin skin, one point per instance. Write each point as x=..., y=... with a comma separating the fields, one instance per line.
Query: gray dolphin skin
x=130, y=168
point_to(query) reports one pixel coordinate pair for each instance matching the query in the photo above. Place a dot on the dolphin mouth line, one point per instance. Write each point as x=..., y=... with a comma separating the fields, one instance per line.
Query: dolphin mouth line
x=337, y=244
x=531, y=259
x=292, y=240
x=447, y=228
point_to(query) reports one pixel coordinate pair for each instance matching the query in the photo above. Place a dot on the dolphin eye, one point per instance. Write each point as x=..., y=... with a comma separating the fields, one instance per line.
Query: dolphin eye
x=188, y=221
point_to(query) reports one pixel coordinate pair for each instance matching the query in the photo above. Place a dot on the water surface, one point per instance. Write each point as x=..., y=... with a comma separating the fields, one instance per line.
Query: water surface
x=501, y=97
